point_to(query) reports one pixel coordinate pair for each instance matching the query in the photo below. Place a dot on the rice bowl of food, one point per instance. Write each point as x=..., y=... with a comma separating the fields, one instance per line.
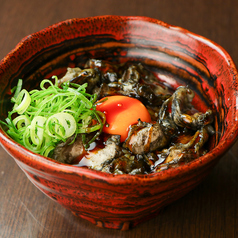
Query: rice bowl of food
x=116, y=117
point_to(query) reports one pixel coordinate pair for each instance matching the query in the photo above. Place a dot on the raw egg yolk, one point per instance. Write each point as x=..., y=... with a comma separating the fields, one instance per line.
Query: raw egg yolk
x=121, y=112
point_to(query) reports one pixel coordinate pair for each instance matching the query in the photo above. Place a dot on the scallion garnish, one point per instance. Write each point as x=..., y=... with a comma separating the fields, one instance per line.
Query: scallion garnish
x=40, y=119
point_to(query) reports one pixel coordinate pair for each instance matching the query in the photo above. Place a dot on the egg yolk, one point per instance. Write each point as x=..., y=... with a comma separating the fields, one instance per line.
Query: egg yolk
x=121, y=112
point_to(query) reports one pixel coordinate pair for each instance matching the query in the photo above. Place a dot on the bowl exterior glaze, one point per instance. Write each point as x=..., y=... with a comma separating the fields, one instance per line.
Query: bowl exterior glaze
x=176, y=56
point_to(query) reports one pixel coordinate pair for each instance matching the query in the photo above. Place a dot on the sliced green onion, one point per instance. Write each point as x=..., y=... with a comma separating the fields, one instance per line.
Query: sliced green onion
x=17, y=89
x=43, y=117
x=21, y=121
x=23, y=100
x=48, y=150
x=37, y=130
x=62, y=125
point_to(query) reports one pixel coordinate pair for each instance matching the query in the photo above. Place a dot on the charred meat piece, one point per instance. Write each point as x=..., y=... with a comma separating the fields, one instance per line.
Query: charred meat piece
x=130, y=83
x=186, y=152
x=70, y=74
x=66, y=152
x=108, y=71
x=133, y=84
x=79, y=76
x=148, y=96
x=103, y=65
x=128, y=164
x=145, y=137
x=131, y=75
x=179, y=103
x=110, y=77
x=101, y=156
x=105, y=90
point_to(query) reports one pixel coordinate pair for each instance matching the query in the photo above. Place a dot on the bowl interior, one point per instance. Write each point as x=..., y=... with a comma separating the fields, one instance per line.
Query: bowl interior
x=176, y=56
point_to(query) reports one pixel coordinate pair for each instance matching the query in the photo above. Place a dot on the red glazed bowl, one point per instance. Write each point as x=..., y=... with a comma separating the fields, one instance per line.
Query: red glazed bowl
x=177, y=56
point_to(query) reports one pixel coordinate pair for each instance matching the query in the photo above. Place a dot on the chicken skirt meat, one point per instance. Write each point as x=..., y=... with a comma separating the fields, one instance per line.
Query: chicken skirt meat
x=176, y=134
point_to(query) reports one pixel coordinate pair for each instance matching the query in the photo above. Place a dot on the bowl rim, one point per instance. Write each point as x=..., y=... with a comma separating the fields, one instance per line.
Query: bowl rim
x=55, y=167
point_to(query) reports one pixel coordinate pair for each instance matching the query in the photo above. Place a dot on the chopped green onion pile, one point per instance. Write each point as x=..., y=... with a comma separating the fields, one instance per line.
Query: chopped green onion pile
x=40, y=119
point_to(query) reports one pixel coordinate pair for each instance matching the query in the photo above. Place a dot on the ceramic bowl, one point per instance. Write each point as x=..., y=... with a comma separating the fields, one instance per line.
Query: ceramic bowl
x=176, y=56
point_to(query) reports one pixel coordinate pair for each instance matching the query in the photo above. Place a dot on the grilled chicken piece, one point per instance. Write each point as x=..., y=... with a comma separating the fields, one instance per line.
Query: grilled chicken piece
x=79, y=76
x=128, y=164
x=188, y=151
x=97, y=159
x=180, y=103
x=66, y=152
x=145, y=137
